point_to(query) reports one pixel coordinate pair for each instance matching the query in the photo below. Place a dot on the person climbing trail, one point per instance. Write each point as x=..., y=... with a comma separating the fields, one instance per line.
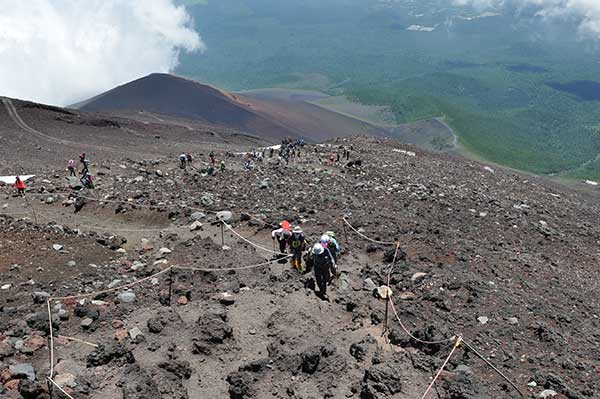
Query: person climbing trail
x=189, y=160
x=282, y=235
x=85, y=162
x=297, y=244
x=183, y=161
x=212, y=158
x=223, y=167
x=71, y=167
x=329, y=241
x=19, y=186
x=324, y=267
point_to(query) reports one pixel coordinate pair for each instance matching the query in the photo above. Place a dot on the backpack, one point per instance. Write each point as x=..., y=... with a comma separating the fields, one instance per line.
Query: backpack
x=297, y=240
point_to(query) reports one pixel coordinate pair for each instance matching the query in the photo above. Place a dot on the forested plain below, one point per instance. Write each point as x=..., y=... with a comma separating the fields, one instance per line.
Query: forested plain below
x=517, y=90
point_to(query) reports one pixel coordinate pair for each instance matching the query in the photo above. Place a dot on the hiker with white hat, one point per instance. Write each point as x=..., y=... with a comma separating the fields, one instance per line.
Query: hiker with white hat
x=324, y=266
x=297, y=244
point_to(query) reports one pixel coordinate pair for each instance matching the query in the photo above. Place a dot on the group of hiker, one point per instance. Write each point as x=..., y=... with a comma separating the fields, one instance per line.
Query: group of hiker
x=186, y=160
x=321, y=257
x=86, y=179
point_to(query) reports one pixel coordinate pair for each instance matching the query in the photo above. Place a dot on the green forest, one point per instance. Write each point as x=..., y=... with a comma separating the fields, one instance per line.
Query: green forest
x=517, y=90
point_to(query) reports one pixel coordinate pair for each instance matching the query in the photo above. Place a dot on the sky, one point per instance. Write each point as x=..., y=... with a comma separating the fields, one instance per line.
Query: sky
x=63, y=51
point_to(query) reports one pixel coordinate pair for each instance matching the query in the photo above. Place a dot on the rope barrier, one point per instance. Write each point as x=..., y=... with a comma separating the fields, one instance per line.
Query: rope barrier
x=493, y=367
x=78, y=340
x=96, y=227
x=444, y=341
x=51, y=340
x=250, y=242
x=365, y=237
x=107, y=291
x=454, y=348
x=60, y=388
x=230, y=268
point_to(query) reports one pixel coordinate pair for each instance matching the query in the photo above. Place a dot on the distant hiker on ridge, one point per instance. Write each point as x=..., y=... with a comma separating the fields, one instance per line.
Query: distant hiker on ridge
x=183, y=161
x=190, y=160
x=19, y=186
x=71, y=167
x=85, y=162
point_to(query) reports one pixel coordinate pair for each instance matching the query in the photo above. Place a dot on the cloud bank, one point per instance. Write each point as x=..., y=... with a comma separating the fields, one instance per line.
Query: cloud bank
x=63, y=51
x=586, y=13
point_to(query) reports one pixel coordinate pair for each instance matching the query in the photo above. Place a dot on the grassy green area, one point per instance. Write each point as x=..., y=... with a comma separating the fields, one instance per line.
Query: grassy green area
x=489, y=77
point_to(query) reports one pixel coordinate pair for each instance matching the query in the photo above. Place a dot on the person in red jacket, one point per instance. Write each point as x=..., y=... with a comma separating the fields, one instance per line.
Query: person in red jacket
x=20, y=186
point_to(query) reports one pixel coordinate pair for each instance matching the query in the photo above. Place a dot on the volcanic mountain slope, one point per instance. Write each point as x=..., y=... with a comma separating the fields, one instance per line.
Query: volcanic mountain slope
x=269, y=118
x=508, y=261
x=36, y=136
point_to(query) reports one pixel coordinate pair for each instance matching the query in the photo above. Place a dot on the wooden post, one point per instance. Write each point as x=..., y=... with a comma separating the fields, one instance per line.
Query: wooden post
x=222, y=235
x=387, y=305
x=170, y=285
x=346, y=236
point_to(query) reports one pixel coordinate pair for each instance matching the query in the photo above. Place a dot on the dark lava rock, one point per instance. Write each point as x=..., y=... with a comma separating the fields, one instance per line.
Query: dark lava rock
x=105, y=354
x=137, y=384
x=310, y=360
x=462, y=387
x=214, y=328
x=179, y=368
x=155, y=325
x=33, y=390
x=241, y=385
x=380, y=381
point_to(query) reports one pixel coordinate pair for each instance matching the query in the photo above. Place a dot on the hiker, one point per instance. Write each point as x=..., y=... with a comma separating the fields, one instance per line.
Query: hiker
x=71, y=167
x=19, y=186
x=282, y=235
x=271, y=150
x=85, y=162
x=88, y=181
x=183, y=161
x=222, y=166
x=329, y=241
x=347, y=155
x=297, y=244
x=324, y=267
x=212, y=158
x=190, y=160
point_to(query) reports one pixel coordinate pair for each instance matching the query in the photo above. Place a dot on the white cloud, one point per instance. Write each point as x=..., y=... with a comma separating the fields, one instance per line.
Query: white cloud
x=585, y=12
x=63, y=51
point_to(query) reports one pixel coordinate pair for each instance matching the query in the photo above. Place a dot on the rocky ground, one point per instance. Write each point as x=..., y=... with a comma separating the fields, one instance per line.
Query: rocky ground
x=508, y=261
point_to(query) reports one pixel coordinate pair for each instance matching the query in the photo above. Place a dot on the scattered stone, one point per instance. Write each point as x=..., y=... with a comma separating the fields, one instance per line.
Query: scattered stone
x=547, y=393
x=197, y=216
x=155, y=325
x=483, y=319
x=127, y=297
x=22, y=371
x=196, y=226
x=40, y=297
x=418, y=277
x=182, y=300
x=86, y=323
x=65, y=380
x=512, y=321
x=57, y=247
x=369, y=285
x=136, y=334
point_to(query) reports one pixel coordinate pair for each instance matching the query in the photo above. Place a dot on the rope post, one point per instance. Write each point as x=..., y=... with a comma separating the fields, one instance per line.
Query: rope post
x=222, y=235
x=387, y=305
x=346, y=236
x=170, y=285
